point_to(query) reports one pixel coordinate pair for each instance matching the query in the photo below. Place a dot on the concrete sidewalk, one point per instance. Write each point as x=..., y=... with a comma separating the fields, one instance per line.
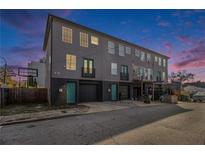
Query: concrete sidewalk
x=93, y=107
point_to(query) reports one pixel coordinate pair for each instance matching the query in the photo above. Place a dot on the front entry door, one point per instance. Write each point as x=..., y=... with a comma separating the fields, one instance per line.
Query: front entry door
x=71, y=92
x=114, y=92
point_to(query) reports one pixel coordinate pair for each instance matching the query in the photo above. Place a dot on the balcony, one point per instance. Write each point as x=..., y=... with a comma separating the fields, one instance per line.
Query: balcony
x=124, y=76
x=89, y=74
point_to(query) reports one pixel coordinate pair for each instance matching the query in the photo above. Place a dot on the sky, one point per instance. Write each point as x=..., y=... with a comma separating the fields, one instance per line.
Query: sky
x=179, y=34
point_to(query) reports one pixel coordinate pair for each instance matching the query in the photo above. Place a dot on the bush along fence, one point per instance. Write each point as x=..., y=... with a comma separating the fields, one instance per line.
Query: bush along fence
x=22, y=95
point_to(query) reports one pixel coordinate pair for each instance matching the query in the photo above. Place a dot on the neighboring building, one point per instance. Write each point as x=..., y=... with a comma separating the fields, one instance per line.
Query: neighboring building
x=83, y=65
x=38, y=81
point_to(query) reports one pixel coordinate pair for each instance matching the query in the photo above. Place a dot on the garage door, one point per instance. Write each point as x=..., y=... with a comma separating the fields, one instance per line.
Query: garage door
x=124, y=90
x=88, y=92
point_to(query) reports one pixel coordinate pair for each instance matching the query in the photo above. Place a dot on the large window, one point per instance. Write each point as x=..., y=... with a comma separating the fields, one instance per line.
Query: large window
x=150, y=74
x=88, y=66
x=94, y=40
x=124, y=69
x=141, y=73
x=137, y=53
x=160, y=61
x=70, y=62
x=114, y=68
x=66, y=35
x=156, y=59
x=111, y=47
x=142, y=58
x=164, y=62
x=163, y=76
x=83, y=39
x=145, y=73
x=128, y=50
x=148, y=57
x=121, y=50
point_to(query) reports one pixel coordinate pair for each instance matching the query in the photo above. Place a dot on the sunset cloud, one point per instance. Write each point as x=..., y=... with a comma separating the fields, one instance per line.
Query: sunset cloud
x=193, y=57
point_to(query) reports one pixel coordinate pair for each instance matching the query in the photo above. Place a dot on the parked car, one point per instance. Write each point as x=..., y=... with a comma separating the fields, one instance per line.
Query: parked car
x=199, y=97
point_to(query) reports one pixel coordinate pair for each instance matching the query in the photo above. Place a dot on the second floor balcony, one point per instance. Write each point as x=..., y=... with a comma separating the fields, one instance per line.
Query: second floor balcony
x=124, y=76
x=88, y=72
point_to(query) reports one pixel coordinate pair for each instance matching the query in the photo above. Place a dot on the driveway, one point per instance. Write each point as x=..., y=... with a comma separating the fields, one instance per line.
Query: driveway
x=159, y=124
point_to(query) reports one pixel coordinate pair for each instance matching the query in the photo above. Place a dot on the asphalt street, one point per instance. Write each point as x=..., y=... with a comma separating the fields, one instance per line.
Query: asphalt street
x=164, y=124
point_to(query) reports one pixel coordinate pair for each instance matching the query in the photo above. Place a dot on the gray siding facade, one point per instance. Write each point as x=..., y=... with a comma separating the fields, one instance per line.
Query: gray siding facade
x=57, y=75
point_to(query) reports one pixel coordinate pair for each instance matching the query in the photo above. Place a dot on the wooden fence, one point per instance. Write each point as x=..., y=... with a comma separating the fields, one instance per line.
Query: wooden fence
x=22, y=95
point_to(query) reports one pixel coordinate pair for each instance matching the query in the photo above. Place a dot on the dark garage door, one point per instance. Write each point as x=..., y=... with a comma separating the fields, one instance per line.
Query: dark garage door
x=124, y=90
x=88, y=92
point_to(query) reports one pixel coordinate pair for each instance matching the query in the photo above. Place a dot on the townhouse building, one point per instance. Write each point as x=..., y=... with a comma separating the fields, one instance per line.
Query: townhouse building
x=84, y=65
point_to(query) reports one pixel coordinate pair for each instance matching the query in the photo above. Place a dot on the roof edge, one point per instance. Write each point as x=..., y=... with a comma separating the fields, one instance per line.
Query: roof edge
x=50, y=19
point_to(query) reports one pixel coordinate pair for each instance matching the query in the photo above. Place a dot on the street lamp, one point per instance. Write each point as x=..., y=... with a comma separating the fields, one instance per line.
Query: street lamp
x=5, y=67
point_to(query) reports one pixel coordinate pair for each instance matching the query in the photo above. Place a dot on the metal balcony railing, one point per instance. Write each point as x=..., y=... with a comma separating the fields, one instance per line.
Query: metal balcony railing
x=89, y=73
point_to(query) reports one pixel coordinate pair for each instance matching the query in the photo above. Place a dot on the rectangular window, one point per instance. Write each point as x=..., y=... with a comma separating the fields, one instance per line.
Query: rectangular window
x=128, y=50
x=156, y=59
x=66, y=35
x=70, y=62
x=142, y=58
x=163, y=76
x=160, y=61
x=159, y=76
x=137, y=53
x=137, y=72
x=121, y=50
x=164, y=62
x=114, y=68
x=88, y=66
x=150, y=74
x=124, y=69
x=85, y=66
x=145, y=73
x=94, y=40
x=141, y=73
x=83, y=39
x=111, y=47
x=148, y=57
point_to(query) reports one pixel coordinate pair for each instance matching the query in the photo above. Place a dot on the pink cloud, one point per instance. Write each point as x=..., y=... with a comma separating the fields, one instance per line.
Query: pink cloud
x=185, y=39
x=169, y=48
x=191, y=58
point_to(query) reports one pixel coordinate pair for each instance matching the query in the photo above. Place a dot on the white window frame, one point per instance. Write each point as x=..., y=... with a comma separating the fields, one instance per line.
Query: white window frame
x=70, y=65
x=156, y=59
x=164, y=62
x=94, y=40
x=114, y=68
x=128, y=50
x=137, y=53
x=142, y=56
x=70, y=35
x=148, y=57
x=111, y=47
x=83, y=43
x=121, y=50
x=163, y=76
x=160, y=61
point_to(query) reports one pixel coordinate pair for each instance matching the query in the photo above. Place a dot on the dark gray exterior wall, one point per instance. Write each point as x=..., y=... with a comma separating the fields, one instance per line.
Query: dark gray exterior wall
x=102, y=61
x=48, y=67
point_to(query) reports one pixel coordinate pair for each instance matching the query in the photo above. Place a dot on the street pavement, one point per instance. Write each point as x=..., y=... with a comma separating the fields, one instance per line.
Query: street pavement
x=165, y=124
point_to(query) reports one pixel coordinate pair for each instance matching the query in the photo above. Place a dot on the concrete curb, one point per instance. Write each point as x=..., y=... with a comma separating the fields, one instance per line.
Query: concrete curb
x=67, y=115
x=40, y=119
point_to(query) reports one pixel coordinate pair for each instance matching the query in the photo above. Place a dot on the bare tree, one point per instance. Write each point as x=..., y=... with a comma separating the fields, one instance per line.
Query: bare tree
x=181, y=76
